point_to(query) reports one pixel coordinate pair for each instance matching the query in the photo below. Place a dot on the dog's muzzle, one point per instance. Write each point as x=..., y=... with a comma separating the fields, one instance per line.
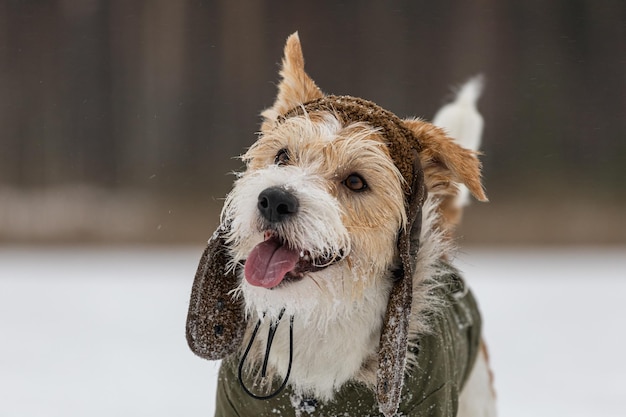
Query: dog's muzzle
x=277, y=260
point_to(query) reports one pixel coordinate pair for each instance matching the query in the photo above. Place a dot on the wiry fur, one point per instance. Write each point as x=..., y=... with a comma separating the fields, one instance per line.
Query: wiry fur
x=330, y=219
x=346, y=300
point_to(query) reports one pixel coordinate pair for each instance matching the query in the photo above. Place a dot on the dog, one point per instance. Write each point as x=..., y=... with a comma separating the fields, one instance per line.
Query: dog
x=328, y=288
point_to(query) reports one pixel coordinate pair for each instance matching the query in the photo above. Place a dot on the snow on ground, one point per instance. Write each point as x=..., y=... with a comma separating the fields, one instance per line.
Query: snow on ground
x=554, y=322
x=100, y=332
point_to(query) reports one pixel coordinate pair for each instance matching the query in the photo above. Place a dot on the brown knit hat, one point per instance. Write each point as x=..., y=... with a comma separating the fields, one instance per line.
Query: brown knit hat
x=216, y=321
x=400, y=139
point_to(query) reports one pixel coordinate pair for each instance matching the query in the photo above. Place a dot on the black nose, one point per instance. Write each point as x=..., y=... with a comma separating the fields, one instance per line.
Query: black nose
x=276, y=204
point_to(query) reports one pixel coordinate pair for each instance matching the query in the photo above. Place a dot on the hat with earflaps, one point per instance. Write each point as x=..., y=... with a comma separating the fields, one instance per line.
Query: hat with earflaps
x=216, y=321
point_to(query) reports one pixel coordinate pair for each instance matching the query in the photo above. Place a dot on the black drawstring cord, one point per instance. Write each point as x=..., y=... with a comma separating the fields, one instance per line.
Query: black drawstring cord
x=270, y=339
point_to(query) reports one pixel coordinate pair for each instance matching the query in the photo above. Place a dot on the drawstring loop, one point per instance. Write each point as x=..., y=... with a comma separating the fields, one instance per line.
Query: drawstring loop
x=270, y=339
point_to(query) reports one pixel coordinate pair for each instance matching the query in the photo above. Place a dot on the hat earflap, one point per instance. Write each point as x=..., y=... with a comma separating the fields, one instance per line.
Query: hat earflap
x=216, y=321
x=395, y=330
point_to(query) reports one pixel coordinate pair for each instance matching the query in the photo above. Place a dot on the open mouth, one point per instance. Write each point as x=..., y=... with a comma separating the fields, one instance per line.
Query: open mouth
x=274, y=261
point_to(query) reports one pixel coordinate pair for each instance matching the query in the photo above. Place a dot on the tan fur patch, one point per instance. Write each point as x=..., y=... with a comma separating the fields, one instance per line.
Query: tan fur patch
x=295, y=88
x=446, y=164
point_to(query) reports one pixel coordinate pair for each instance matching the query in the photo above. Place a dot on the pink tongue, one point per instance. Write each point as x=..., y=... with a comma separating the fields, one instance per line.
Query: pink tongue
x=268, y=263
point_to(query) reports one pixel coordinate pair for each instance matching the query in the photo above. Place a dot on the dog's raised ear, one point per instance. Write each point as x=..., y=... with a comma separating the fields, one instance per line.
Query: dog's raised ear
x=445, y=162
x=295, y=87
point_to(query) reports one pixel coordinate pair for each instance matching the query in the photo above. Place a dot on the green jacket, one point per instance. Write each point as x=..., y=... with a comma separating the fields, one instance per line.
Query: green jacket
x=431, y=387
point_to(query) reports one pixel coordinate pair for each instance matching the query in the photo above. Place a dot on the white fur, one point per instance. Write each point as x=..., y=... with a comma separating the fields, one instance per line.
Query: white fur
x=330, y=351
x=477, y=398
x=462, y=121
x=433, y=247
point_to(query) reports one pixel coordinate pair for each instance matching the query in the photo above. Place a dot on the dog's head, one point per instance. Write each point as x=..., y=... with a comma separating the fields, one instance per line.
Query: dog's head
x=316, y=215
x=326, y=217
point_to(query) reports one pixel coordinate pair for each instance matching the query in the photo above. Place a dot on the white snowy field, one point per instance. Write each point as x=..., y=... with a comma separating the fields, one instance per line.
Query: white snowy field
x=101, y=332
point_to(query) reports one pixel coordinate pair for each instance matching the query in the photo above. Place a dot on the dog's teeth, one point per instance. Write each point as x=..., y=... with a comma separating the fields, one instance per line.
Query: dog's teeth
x=304, y=255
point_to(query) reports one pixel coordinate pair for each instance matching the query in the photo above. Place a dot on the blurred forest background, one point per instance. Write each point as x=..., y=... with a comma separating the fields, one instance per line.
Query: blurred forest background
x=119, y=119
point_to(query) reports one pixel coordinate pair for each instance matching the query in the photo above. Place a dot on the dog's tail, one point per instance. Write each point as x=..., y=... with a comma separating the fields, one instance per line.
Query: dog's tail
x=461, y=121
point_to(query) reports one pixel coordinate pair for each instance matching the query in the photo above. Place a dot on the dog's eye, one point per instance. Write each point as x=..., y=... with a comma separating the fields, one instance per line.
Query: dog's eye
x=282, y=157
x=355, y=182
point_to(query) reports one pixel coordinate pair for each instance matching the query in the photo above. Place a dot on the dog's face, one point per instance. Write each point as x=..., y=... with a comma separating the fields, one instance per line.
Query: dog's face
x=316, y=215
